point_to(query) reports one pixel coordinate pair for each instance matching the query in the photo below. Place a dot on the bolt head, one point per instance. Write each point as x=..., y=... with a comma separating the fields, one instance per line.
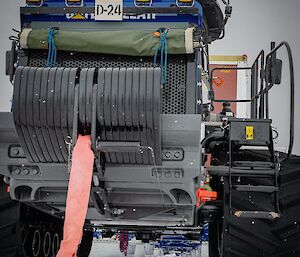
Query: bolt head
x=35, y=172
x=15, y=151
x=177, y=154
x=25, y=172
x=168, y=155
x=16, y=171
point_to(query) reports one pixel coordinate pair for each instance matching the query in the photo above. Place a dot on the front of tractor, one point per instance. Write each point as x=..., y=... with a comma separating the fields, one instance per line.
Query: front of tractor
x=128, y=75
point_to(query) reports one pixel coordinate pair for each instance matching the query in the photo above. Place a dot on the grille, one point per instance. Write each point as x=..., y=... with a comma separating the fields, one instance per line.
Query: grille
x=173, y=93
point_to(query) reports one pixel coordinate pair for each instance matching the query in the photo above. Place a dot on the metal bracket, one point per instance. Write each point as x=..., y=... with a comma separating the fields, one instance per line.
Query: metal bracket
x=118, y=146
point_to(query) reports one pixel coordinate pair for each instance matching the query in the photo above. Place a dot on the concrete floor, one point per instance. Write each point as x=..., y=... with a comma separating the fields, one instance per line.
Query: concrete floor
x=111, y=249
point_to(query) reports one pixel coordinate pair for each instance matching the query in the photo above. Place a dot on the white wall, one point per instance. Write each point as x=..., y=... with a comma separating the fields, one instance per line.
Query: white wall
x=253, y=25
x=9, y=18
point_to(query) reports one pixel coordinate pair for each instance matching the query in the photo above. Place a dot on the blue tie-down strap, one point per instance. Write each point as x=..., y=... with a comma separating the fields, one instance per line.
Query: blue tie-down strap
x=163, y=50
x=52, y=49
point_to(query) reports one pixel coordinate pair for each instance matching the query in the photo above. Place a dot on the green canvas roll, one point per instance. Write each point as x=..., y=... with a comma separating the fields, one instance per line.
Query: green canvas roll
x=130, y=42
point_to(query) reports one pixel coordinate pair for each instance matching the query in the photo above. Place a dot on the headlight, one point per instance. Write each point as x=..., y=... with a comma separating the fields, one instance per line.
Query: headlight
x=36, y=3
x=142, y=2
x=74, y=2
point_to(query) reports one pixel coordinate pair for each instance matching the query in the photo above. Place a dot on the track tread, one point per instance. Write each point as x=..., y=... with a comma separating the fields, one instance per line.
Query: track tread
x=265, y=238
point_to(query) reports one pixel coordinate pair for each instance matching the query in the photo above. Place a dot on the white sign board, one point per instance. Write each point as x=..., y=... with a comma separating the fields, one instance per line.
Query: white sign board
x=108, y=10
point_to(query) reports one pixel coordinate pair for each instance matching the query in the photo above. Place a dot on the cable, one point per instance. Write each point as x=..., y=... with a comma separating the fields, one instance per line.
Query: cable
x=52, y=49
x=163, y=49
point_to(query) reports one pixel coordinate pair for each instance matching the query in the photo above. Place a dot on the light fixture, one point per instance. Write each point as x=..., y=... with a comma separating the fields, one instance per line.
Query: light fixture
x=36, y=3
x=74, y=2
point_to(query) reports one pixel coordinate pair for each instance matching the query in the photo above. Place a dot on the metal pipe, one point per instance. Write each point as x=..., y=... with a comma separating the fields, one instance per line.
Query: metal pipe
x=292, y=94
x=262, y=98
x=269, y=83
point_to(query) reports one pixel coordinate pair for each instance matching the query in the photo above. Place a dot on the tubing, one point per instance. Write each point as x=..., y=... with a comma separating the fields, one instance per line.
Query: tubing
x=78, y=196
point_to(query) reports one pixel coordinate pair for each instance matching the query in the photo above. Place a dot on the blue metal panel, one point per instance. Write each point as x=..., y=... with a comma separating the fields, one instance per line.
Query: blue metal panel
x=163, y=18
x=177, y=243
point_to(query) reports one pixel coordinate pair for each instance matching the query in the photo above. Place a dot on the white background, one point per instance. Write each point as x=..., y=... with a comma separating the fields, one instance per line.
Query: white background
x=253, y=25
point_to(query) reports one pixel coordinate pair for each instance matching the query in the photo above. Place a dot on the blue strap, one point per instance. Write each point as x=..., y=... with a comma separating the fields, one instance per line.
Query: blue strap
x=163, y=50
x=52, y=49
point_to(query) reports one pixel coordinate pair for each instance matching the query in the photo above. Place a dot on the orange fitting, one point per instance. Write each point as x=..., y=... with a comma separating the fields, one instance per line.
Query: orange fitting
x=204, y=195
x=218, y=81
x=156, y=34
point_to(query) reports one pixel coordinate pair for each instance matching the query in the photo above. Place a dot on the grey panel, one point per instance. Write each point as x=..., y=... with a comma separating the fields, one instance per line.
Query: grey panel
x=149, y=108
x=110, y=157
x=82, y=96
x=142, y=113
x=100, y=103
x=71, y=97
x=121, y=102
x=89, y=89
x=173, y=94
x=57, y=112
x=132, y=186
x=44, y=114
x=16, y=106
x=63, y=102
x=128, y=113
x=190, y=87
x=50, y=114
x=115, y=111
x=121, y=110
x=23, y=114
x=29, y=114
x=135, y=110
x=36, y=114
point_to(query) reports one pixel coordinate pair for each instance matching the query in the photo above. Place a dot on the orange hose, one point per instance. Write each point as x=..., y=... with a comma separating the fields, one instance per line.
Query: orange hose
x=78, y=196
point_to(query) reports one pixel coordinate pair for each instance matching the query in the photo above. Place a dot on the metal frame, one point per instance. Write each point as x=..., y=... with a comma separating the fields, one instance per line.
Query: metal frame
x=261, y=94
x=126, y=10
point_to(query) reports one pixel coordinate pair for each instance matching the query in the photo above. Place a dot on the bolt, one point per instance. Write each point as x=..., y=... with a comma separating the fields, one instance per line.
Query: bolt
x=16, y=171
x=168, y=155
x=15, y=151
x=177, y=154
x=25, y=172
x=35, y=172
x=167, y=174
x=177, y=174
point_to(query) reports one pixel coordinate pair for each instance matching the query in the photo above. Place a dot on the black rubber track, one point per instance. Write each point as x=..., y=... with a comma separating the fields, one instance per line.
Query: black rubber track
x=277, y=238
x=16, y=219
x=9, y=225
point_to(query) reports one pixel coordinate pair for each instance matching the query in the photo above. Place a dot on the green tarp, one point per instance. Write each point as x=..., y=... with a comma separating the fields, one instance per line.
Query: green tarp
x=130, y=42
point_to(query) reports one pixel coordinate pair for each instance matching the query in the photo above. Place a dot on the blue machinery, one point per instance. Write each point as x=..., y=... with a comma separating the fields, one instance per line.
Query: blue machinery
x=145, y=135
x=67, y=12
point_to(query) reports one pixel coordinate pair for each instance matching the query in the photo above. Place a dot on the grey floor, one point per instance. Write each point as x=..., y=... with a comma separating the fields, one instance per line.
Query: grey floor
x=111, y=249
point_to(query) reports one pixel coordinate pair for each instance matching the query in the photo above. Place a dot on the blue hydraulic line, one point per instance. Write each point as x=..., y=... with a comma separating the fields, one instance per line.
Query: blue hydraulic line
x=163, y=49
x=52, y=49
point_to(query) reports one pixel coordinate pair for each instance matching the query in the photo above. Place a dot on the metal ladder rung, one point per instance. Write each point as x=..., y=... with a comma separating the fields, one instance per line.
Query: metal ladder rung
x=260, y=188
x=255, y=164
x=245, y=172
x=257, y=215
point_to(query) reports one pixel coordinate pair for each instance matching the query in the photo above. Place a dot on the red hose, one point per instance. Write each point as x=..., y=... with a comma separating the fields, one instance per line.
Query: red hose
x=78, y=196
